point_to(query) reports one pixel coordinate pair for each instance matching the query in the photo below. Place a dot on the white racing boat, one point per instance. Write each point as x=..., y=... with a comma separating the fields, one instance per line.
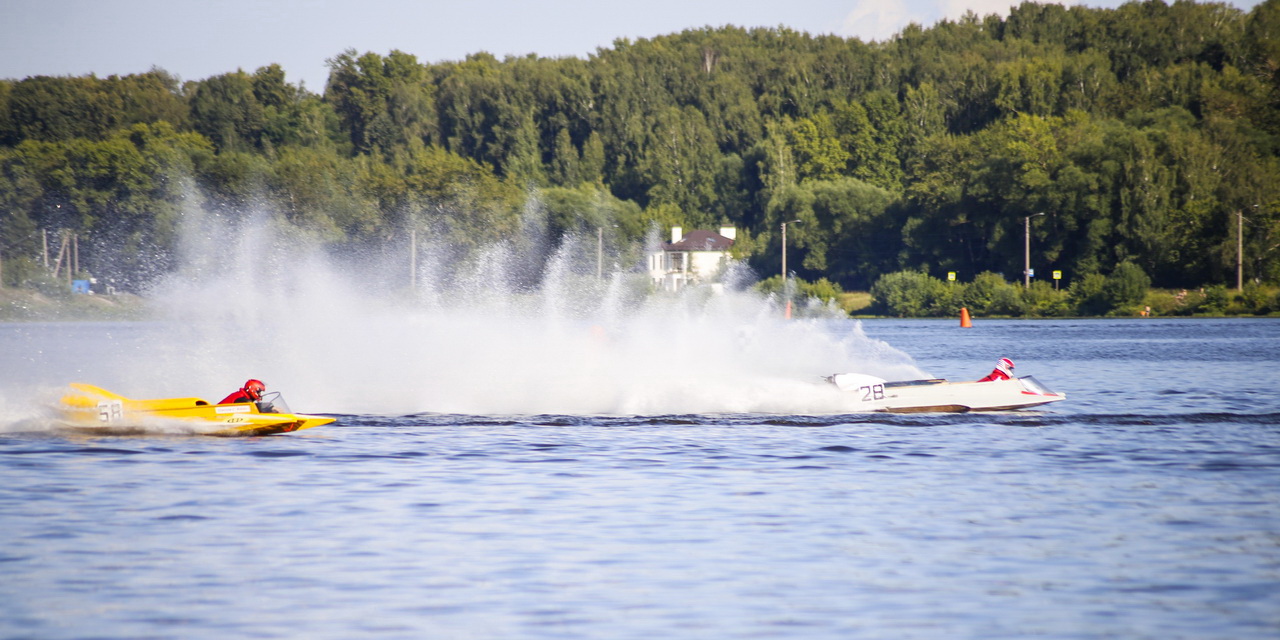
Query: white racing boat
x=939, y=395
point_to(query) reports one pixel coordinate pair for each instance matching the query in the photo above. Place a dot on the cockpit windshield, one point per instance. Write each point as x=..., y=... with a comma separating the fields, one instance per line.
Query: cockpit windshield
x=1031, y=384
x=273, y=402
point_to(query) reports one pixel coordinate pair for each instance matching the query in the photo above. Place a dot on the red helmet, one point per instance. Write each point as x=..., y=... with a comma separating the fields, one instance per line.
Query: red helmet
x=1005, y=365
x=254, y=389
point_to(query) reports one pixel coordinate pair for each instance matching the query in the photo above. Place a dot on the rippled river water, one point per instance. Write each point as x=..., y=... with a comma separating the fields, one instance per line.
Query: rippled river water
x=1147, y=505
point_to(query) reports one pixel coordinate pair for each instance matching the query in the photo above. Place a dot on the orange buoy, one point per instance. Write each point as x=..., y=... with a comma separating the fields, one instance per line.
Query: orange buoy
x=964, y=317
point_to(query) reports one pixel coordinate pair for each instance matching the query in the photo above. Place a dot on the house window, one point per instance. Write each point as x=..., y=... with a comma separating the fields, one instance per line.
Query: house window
x=676, y=261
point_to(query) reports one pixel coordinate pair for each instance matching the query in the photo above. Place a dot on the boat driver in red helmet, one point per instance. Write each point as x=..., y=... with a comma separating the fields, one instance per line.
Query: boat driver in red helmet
x=1003, y=371
x=251, y=392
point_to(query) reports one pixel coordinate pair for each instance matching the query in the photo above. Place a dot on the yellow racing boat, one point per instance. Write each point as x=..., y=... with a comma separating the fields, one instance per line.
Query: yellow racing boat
x=87, y=408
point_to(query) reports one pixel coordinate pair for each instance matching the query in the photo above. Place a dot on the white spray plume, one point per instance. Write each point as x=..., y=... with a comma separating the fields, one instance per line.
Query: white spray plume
x=350, y=336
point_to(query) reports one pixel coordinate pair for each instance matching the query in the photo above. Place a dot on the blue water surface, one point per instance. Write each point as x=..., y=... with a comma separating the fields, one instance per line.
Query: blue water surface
x=1145, y=506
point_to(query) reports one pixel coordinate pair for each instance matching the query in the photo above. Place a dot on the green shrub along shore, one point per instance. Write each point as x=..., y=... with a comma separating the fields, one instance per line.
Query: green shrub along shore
x=1126, y=292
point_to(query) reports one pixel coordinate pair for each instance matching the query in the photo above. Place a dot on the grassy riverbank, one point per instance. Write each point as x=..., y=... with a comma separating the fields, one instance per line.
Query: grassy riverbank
x=28, y=305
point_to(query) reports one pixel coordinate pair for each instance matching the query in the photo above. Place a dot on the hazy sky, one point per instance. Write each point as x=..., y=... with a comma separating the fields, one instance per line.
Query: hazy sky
x=195, y=39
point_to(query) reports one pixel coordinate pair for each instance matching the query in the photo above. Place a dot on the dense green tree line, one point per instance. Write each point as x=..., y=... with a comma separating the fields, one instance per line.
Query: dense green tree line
x=1147, y=135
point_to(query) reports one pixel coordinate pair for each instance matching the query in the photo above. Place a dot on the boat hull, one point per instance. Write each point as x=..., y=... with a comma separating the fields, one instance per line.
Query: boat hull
x=942, y=396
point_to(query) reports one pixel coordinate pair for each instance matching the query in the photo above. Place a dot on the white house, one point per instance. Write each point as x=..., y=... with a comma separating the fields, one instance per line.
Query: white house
x=690, y=259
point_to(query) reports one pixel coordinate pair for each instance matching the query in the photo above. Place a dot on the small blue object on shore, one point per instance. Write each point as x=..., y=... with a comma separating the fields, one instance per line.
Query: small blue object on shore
x=79, y=286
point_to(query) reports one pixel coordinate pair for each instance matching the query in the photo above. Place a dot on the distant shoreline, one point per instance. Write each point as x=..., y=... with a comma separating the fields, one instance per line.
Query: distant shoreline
x=25, y=305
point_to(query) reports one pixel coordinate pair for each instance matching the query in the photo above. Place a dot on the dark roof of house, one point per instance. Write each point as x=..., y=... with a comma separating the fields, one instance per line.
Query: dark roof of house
x=699, y=240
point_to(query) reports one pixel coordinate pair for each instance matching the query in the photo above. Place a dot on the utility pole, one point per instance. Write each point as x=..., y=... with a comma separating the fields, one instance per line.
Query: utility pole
x=62, y=250
x=1239, y=249
x=785, y=292
x=784, y=249
x=1026, y=250
x=599, y=253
